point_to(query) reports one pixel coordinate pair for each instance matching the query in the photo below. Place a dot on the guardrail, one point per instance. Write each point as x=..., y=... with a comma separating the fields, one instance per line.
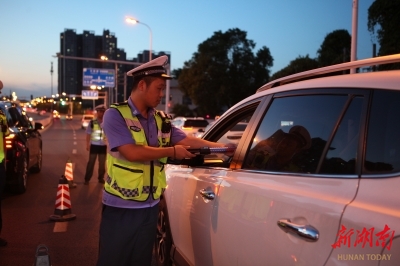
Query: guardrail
x=46, y=119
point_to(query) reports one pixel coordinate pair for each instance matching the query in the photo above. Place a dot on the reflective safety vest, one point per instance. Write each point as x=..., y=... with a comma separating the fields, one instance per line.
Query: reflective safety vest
x=137, y=180
x=3, y=133
x=97, y=131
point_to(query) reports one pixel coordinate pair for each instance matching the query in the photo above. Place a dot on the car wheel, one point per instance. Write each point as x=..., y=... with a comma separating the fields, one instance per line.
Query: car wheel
x=163, y=242
x=38, y=166
x=21, y=168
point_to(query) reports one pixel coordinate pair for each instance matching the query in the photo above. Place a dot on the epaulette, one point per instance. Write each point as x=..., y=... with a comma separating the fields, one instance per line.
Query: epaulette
x=115, y=105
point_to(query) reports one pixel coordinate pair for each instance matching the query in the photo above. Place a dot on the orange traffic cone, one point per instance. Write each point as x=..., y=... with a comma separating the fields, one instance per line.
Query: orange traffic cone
x=69, y=174
x=62, y=211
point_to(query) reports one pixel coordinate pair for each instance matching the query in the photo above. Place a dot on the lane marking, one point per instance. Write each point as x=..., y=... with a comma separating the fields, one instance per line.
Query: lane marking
x=73, y=151
x=60, y=227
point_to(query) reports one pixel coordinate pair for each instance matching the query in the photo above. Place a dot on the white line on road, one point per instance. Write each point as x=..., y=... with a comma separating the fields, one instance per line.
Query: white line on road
x=73, y=151
x=60, y=227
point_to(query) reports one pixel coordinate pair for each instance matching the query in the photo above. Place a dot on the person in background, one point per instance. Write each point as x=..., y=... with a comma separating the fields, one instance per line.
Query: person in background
x=140, y=139
x=3, y=133
x=96, y=144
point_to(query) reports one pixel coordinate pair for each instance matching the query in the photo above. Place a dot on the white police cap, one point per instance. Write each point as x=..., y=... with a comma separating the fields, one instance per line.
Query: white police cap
x=154, y=68
x=100, y=107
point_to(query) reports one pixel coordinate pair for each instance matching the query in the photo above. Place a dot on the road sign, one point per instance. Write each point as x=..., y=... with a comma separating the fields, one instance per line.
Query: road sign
x=98, y=77
x=90, y=95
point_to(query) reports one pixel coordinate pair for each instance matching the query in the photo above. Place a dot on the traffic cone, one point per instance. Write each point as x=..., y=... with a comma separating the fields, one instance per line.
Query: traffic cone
x=62, y=211
x=69, y=174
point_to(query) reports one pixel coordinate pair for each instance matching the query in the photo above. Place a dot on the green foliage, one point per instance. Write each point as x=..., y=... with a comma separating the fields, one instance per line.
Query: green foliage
x=384, y=17
x=224, y=71
x=182, y=110
x=335, y=48
x=176, y=72
x=298, y=65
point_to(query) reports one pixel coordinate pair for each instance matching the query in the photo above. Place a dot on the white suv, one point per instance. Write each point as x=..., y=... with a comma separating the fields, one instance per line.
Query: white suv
x=314, y=179
x=190, y=125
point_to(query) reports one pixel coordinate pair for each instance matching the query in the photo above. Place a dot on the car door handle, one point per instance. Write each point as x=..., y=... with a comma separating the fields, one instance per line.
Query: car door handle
x=210, y=195
x=309, y=232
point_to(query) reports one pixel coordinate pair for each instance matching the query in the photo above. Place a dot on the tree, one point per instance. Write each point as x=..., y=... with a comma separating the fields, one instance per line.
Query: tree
x=298, y=65
x=176, y=72
x=182, y=110
x=384, y=16
x=335, y=48
x=224, y=71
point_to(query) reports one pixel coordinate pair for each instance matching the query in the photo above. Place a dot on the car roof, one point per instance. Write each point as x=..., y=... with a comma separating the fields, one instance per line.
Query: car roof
x=332, y=69
x=388, y=79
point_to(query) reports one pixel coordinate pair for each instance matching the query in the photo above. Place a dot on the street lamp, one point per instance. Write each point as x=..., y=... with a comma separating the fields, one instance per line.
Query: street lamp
x=135, y=21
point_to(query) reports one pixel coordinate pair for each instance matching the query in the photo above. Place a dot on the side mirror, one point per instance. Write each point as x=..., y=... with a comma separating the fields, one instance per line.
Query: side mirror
x=38, y=126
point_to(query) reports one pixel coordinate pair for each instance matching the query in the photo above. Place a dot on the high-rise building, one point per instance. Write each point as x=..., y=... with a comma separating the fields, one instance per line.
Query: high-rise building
x=88, y=45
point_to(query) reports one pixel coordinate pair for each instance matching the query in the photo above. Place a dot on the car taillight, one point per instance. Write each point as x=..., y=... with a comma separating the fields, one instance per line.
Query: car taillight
x=187, y=128
x=9, y=140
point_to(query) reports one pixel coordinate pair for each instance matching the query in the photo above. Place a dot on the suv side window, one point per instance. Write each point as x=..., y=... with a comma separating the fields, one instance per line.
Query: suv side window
x=295, y=130
x=383, y=140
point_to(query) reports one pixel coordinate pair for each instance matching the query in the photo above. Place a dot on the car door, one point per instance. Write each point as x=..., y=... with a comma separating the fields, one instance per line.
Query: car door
x=294, y=175
x=370, y=228
x=190, y=206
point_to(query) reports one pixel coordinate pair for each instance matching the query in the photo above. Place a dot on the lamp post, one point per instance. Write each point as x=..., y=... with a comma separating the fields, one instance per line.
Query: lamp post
x=135, y=21
x=51, y=73
x=353, y=55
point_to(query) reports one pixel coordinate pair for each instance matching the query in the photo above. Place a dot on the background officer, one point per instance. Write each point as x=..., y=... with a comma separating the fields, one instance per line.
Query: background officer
x=96, y=144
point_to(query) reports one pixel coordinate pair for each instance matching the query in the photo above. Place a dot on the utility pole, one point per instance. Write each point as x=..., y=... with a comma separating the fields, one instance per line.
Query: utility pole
x=51, y=95
x=353, y=55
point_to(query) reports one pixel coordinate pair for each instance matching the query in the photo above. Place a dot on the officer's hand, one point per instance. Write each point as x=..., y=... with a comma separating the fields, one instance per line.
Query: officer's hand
x=181, y=152
x=231, y=149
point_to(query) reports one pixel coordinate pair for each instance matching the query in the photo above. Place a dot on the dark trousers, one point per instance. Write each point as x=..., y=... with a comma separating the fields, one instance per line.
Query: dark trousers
x=2, y=185
x=96, y=151
x=127, y=236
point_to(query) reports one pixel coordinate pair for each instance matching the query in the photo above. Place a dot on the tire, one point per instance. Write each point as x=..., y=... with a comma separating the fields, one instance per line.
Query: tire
x=163, y=243
x=21, y=174
x=38, y=166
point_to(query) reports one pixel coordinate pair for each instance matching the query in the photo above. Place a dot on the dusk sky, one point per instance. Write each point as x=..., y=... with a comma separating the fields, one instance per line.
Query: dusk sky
x=30, y=31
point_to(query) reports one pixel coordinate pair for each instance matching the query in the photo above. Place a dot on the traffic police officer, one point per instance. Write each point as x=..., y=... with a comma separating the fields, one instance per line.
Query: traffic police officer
x=140, y=139
x=96, y=144
x=3, y=133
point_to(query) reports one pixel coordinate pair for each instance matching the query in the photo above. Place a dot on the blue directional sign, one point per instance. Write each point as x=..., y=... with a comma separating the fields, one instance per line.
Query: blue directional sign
x=90, y=95
x=98, y=77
